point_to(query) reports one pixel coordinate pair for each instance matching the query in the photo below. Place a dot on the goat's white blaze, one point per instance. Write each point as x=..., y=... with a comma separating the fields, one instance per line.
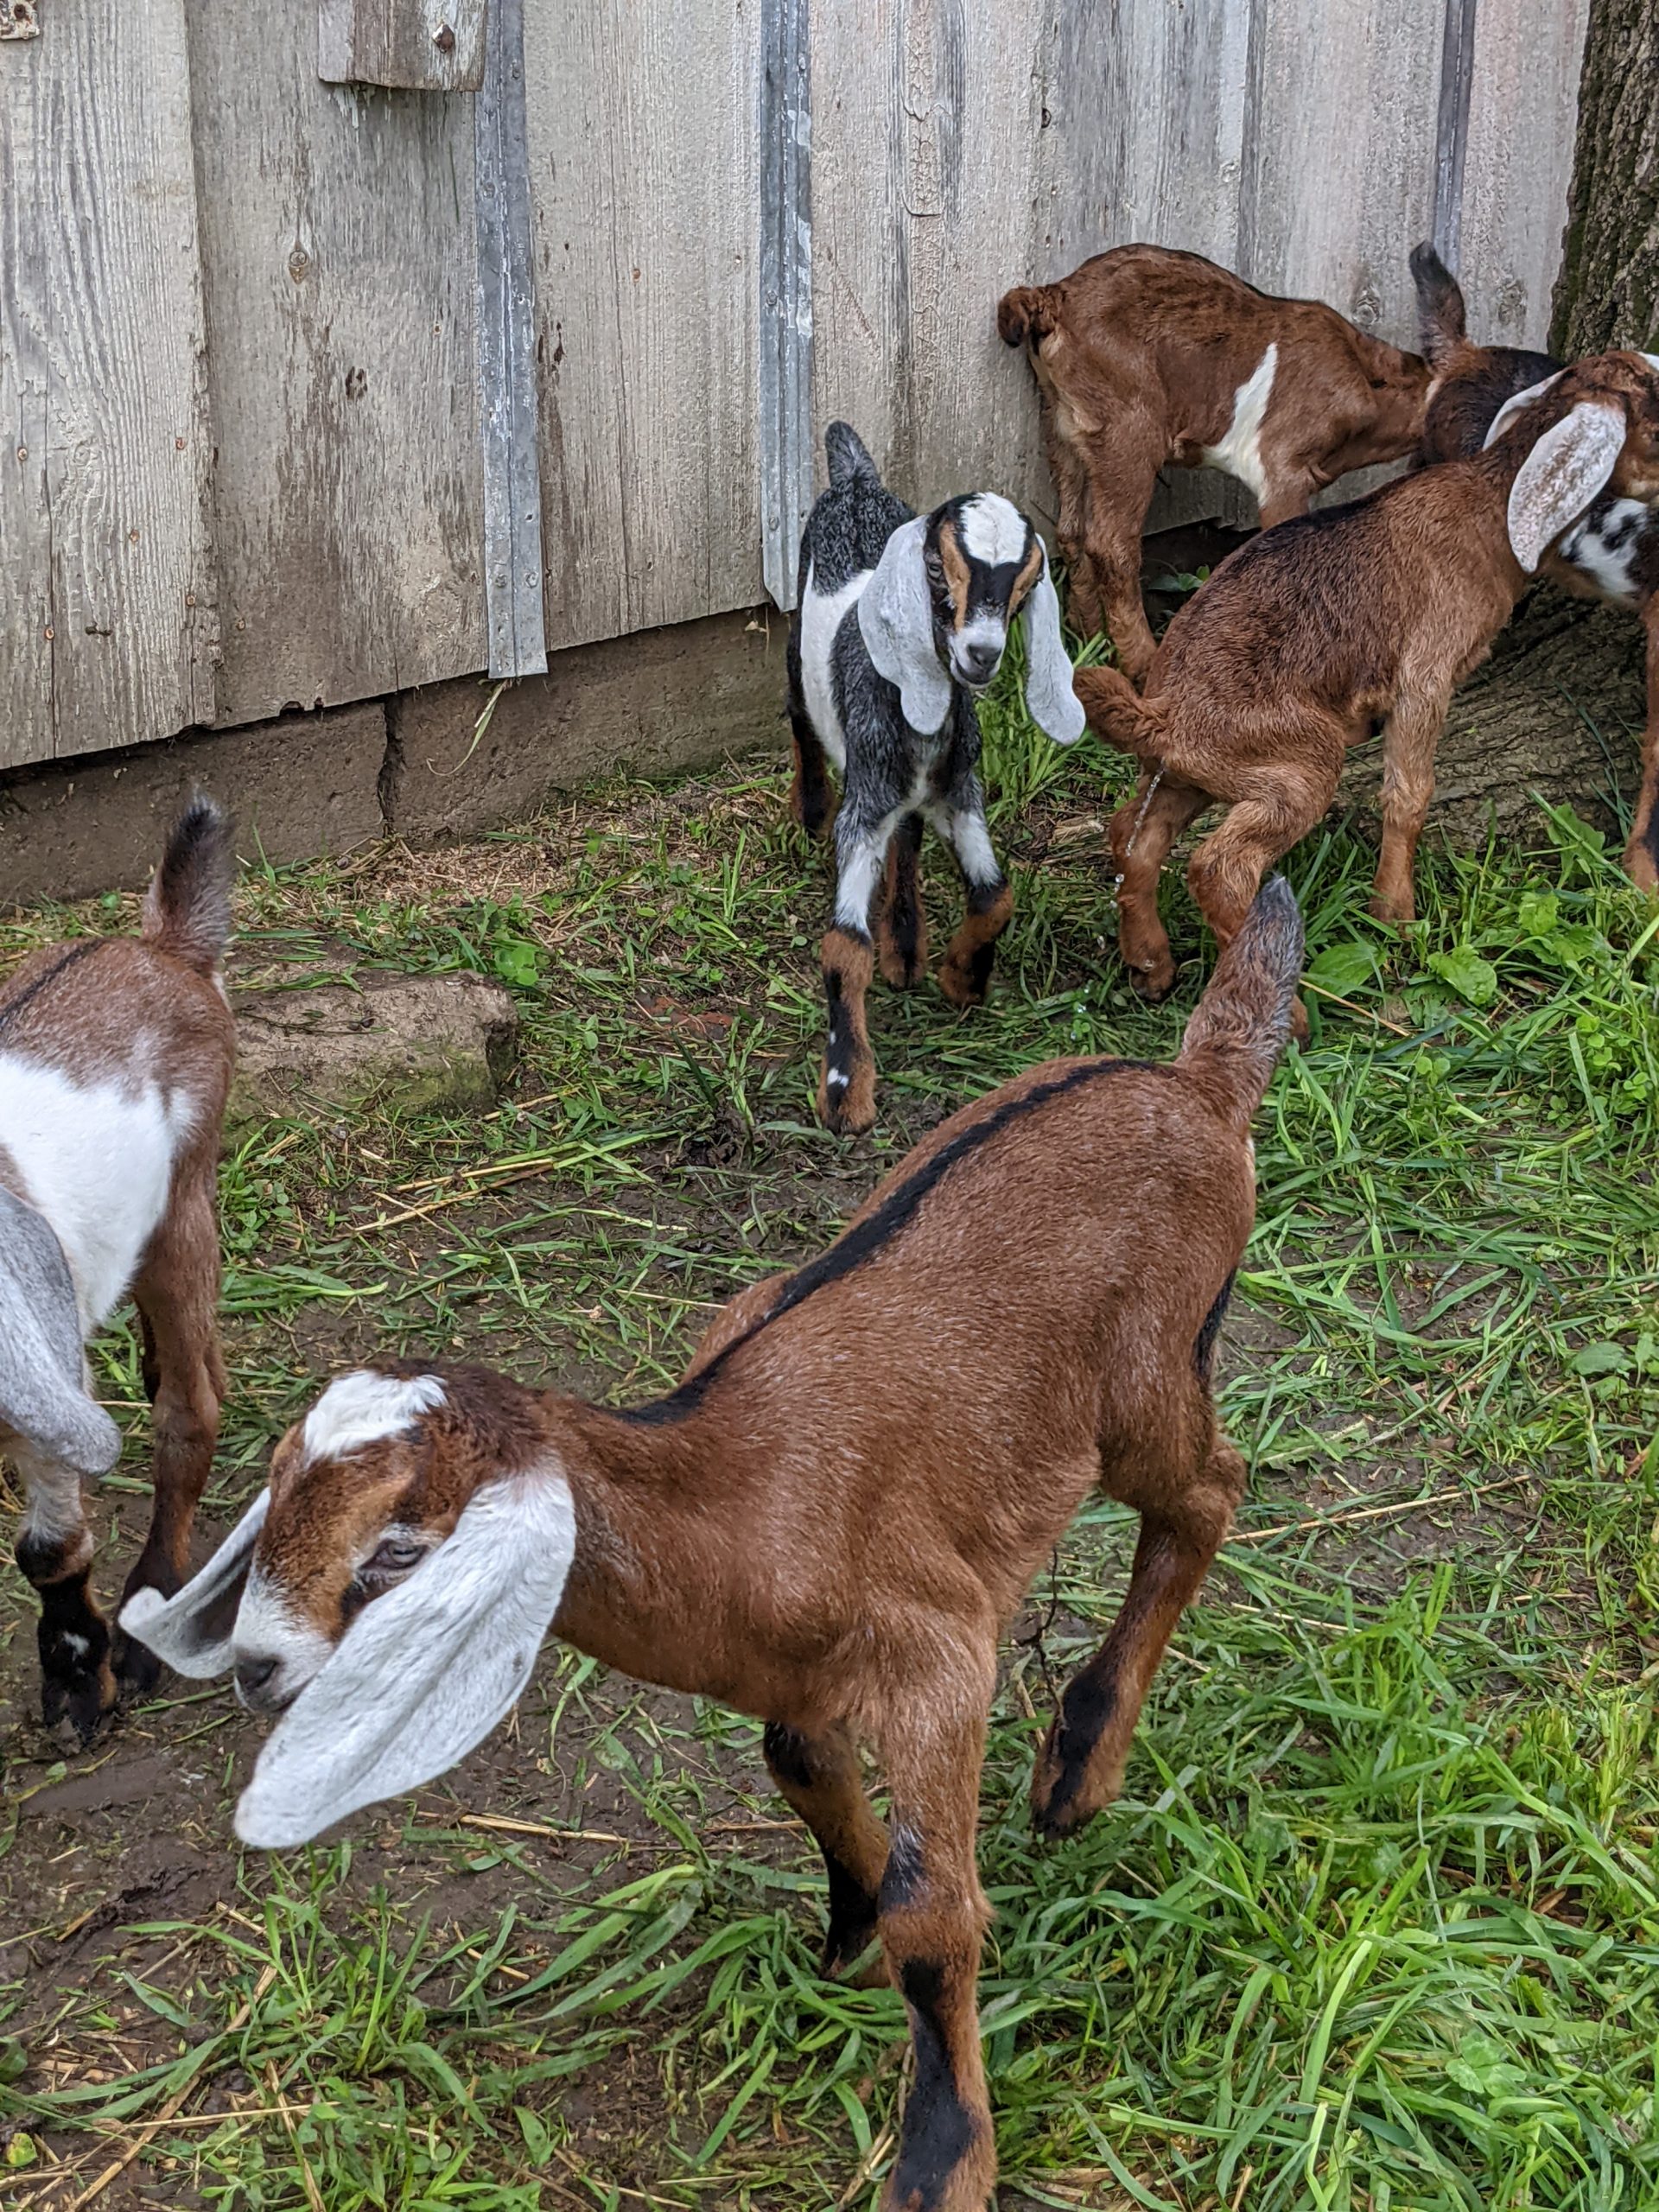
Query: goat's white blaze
x=268, y=1626
x=1604, y=547
x=1240, y=451
x=992, y=530
x=97, y=1159
x=822, y=615
x=367, y=1408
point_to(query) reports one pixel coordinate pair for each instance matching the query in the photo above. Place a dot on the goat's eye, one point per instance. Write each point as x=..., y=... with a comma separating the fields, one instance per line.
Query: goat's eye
x=395, y=1556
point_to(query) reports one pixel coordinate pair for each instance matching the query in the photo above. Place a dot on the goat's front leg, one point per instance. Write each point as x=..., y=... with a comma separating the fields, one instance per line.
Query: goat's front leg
x=901, y=929
x=1080, y=1767
x=1408, y=746
x=933, y=1917
x=1143, y=831
x=818, y=1776
x=965, y=971
x=177, y=1296
x=846, y=1080
x=54, y=1554
x=1642, y=853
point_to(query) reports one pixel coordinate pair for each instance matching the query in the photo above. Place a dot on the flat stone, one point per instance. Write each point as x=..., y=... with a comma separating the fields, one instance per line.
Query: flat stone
x=408, y=1044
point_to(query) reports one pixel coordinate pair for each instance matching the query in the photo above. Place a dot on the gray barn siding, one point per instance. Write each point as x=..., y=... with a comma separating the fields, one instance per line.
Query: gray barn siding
x=238, y=308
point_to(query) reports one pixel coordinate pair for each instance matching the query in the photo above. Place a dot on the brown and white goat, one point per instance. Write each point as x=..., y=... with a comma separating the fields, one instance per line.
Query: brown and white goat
x=1308, y=635
x=826, y=1525
x=115, y=1060
x=1145, y=357
x=1611, y=553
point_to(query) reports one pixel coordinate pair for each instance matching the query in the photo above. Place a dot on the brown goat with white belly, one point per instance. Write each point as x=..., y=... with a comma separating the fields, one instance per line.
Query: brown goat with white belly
x=1146, y=356
x=1303, y=639
x=115, y=1061
x=826, y=1525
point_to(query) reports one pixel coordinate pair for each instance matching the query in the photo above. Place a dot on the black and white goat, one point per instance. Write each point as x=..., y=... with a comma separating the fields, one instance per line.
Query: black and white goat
x=903, y=619
x=115, y=1060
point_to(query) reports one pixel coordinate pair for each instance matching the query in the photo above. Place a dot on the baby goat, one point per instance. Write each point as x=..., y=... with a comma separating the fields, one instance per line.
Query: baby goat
x=1145, y=356
x=1304, y=637
x=1611, y=552
x=902, y=619
x=115, y=1060
x=826, y=1525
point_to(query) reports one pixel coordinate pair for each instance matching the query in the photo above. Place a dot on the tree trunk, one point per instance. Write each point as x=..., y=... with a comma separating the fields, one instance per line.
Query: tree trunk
x=1559, y=710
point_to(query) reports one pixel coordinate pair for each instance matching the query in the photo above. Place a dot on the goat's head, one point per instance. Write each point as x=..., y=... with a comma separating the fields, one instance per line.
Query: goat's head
x=387, y=1593
x=1590, y=428
x=943, y=598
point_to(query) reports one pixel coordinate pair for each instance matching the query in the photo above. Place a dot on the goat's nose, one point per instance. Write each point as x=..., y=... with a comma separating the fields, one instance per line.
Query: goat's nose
x=979, y=662
x=252, y=1677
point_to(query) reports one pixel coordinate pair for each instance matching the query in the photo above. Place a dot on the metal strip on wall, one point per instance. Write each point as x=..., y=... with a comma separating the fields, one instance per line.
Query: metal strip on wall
x=506, y=354
x=1451, y=126
x=786, y=292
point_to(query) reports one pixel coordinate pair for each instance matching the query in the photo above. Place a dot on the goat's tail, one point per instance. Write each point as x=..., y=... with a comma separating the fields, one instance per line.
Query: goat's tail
x=1118, y=713
x=848, y=457
x=1239, y=1027
x=1026, y=313
x=187, y=906
x=1439, y=306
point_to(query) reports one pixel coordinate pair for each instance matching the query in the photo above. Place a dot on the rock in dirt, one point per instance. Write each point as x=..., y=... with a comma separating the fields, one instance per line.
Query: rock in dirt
x=411, y=1043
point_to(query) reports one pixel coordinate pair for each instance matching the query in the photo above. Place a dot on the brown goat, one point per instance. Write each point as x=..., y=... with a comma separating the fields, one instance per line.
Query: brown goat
x=1306, y=636
x=826, y=1525
x=1145, y=357
x=1611, y=553
x=115, y=1061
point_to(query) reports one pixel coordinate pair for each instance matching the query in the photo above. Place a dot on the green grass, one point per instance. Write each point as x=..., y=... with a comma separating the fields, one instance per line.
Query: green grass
x=1376, y=1923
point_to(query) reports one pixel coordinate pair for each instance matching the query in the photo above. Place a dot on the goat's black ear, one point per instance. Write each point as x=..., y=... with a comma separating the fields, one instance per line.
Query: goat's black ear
x=895, y=615
x=191, y=1633
x=1054, y=705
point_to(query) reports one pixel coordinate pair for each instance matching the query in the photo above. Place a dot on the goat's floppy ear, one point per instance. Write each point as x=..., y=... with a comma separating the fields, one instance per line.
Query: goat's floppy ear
x=895, y=613
x=424, y=1673
x=1055, y=707
x=1517, y=404
x=43, y=1396
x=191, y=1633
x=1563, y=473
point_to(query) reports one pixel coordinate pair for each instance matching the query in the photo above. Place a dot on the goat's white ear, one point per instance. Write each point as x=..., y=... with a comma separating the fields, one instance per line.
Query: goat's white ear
x=895, y=613
x=1563, y=473
x=1517, y=404
x=424, y=1673
x=191, y=1633
x=43, y=1397
x=1055, y=707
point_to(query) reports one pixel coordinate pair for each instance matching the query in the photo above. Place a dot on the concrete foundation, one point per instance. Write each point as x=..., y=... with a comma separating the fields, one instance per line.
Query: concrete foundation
x=414, y=765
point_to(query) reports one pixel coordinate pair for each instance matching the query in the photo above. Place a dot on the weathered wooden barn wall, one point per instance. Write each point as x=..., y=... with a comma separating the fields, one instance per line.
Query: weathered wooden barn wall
x=239, y=316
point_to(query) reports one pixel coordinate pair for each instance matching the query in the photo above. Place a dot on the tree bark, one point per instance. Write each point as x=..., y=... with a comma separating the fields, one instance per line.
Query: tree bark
x=1558, y=709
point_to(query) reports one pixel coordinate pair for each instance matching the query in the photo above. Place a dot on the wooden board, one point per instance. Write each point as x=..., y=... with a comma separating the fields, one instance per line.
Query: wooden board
x=338, y=246
x=643, y=163
x=1522, y=113
x=434, y=46
x=106, y=625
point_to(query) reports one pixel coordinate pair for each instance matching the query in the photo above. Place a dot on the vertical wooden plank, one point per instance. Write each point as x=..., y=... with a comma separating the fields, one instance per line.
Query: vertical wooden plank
x=106, y=629
x=341, y=281
x=434, y=46
x=1522, y=114
x=506, y=357
x=786, y=292
x=644, y=164
x=1452, y=125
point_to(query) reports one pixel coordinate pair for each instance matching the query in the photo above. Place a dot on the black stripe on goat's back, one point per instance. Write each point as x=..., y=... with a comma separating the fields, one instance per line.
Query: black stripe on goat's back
x=896, y=1210
x=11, y=1008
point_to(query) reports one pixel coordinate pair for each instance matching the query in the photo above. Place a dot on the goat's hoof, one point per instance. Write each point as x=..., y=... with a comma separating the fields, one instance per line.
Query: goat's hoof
x=73, y=1708
x=1639, y=866
x=963, y=985
x=849, y=1109
x=1064, y=1797
x=1393, y=909
x=900, y=971
x=1155, y=980
x=137, y=1670
x=1299, y=1029
x=848, y=1959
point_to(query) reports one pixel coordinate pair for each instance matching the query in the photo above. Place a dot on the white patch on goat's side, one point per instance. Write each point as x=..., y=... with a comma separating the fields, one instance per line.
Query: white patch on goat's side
x=1517, y=404
x=822, y=616
x=367, y=1408
x=97, y=1160
x=992, y=530
x=1240, y=451
x=1604, y=546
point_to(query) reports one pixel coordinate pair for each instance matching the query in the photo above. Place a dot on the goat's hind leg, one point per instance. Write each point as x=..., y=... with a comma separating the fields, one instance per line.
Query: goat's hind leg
x=818, y=1777
x=1143, y=831
x=901, y=926
x=55, y=1555
x=1273, y=812
x=1080, y=1767
x=177, y=1295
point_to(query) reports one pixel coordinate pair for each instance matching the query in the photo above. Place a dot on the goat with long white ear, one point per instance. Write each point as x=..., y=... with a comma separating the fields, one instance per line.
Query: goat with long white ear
x=826, y=1525
x=115, y=1061
x=903, y=619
